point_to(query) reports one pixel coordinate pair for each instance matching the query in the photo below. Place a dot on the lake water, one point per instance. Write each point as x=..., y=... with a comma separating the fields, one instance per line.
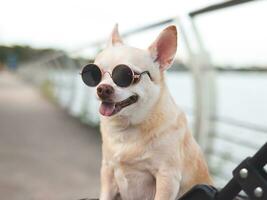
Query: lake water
x=240, y=96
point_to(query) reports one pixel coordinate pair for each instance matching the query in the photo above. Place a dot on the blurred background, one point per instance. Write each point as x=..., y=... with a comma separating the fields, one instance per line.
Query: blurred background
x=50, y=145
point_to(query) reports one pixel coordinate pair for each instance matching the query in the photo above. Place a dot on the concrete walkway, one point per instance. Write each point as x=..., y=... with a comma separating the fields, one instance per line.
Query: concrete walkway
x=44, y=153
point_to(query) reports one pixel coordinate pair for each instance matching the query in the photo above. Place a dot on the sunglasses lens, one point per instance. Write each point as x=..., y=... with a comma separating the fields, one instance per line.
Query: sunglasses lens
x=91, y=75
x=122, y=75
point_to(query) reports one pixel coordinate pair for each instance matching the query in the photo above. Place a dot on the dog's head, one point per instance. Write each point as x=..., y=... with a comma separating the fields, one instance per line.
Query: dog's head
x=135, y=101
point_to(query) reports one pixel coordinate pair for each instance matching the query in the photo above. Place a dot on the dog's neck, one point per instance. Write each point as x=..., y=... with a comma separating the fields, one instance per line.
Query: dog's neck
x=164, y=112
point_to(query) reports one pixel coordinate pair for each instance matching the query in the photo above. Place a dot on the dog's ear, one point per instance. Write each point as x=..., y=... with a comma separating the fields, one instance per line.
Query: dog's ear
x=115, y=37
x=163, y=49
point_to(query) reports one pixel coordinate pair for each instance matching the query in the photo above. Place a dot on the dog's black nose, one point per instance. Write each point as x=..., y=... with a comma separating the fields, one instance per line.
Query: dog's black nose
x=105, y=91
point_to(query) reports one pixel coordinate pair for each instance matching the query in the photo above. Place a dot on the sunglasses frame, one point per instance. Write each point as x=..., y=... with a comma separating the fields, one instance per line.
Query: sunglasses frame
x=135, y=75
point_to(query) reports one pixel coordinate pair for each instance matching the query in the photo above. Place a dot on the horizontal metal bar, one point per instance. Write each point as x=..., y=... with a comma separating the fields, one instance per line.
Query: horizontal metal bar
x=224, y=4
x=231, y=121
x=128, y=33
x=99, y=42
x=235, y=141
x=239, y=123
x=221, y=154
x=147, y=27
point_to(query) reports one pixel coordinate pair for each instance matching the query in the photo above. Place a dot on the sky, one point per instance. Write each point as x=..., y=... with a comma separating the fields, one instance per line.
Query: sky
x=231, y=36
x=71, y=23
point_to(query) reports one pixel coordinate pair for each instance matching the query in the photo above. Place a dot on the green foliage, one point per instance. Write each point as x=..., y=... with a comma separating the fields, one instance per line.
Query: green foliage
x=28, y=54
x=23, y=53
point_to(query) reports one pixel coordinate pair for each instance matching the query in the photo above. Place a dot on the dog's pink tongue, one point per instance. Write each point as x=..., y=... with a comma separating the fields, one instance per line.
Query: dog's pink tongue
x=107, y=109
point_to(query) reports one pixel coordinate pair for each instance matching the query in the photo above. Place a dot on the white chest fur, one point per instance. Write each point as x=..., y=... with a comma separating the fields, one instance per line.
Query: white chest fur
x=132, y=164
x=135, y=163
x=135, y=184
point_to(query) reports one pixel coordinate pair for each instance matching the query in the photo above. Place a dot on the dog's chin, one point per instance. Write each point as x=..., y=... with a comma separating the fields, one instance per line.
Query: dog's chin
x=110, y=108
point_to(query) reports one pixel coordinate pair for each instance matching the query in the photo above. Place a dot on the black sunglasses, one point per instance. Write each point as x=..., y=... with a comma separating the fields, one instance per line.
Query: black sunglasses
x=122, y=75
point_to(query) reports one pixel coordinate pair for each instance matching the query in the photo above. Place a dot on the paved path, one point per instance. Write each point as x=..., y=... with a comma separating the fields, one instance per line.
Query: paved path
x=44, y=153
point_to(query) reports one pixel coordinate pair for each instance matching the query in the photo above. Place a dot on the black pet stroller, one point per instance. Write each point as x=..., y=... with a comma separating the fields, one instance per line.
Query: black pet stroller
x=250, y=177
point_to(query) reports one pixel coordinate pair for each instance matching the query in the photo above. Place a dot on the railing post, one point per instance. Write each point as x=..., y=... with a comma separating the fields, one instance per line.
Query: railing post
x=205, y=94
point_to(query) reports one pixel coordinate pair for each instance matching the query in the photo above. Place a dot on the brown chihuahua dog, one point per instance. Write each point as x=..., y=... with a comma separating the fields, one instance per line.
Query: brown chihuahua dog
x=148, y=150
